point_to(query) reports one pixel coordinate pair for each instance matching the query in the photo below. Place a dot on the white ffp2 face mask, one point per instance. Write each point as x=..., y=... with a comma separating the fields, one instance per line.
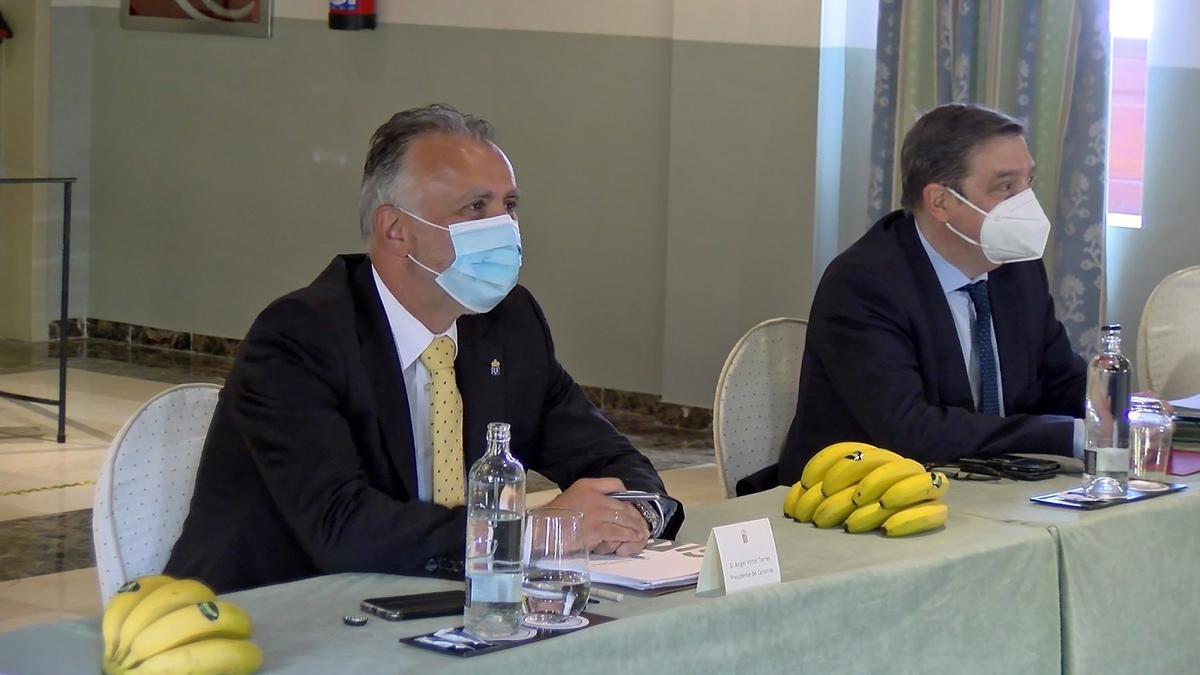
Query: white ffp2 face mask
x=1015, y=230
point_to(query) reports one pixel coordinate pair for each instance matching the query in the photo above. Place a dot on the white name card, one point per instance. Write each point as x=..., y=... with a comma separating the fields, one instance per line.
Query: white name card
x=738, y=557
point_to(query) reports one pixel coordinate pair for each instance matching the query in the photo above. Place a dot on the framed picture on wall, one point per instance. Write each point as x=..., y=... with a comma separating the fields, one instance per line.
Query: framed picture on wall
x=251, y=18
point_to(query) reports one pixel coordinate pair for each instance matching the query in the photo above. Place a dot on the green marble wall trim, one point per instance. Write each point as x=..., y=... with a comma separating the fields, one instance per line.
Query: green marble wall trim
x=165, y=348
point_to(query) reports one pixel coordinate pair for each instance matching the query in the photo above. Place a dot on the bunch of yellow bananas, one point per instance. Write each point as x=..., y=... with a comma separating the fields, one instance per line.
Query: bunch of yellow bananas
x=861, y=488
x=163, y=625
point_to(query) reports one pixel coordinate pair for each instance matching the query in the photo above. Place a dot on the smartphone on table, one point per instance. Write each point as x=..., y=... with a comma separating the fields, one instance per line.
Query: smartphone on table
x=417, y=606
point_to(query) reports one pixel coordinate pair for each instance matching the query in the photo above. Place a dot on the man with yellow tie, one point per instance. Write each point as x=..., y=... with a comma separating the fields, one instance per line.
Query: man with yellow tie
x=343, y=434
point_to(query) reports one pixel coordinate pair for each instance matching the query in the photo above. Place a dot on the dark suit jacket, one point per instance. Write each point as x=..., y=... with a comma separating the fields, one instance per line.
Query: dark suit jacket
x=308, y=467
x=882, y=361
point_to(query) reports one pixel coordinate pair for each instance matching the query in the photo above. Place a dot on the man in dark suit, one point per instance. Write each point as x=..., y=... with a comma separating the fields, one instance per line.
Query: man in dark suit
x=934, y=335
x=328, y=451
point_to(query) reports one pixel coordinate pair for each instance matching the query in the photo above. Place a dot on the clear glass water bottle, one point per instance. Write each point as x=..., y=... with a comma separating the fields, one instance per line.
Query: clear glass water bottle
x=1106, y=427
x=495, y=514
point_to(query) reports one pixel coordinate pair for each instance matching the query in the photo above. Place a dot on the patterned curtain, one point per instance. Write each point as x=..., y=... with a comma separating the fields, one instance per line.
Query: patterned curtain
x=1045, y=62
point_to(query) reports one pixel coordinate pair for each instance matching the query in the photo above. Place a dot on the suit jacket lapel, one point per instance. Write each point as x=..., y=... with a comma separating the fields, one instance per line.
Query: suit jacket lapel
x=954, y=388
x=383, y=367
x=480, y=371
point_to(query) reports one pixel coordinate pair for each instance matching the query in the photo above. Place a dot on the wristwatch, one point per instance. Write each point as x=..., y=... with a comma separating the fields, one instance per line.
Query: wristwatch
x=655, y=509
x=654, y=517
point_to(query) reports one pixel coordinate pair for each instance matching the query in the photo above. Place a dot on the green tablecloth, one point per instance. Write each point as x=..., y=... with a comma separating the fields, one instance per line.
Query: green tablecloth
x=981, y=596
x=1128, y=573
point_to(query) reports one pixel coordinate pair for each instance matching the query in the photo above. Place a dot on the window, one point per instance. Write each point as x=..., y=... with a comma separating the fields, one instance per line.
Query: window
x=1130, y=22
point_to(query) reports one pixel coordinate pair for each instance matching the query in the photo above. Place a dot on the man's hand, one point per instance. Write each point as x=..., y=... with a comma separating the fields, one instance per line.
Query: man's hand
x=612, y=526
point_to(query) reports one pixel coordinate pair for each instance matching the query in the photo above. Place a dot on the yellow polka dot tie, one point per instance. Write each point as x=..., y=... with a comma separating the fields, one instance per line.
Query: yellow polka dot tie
x=445, y=423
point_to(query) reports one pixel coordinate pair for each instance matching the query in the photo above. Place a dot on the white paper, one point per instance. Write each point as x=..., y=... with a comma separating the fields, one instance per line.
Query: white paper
x=662, y=564
x=740, y=556
x=1189, y=404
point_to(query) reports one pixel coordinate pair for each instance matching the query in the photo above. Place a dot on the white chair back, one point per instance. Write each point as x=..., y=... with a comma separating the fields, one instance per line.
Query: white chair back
x=756, y=398
x=1168, y=348
x=145, y=484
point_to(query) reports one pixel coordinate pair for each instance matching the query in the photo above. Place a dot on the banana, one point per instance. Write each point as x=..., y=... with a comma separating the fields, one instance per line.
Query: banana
x=919, y=488
x=121, y=604
x=216, y=656
x=157, y=604
x=792, y=496
x=807, y=504
x=201, y=621
x=867, y=518
x=814, y=470
x=852, y=468
x=874, y=484
x=834, y=510
x=914, y=519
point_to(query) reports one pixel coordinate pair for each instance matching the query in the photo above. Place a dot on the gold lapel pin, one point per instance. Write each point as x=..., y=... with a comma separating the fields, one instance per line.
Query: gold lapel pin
x=495, y=366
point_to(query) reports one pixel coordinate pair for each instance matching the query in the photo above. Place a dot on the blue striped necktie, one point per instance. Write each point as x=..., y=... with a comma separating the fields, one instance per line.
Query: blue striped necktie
x=981, y=335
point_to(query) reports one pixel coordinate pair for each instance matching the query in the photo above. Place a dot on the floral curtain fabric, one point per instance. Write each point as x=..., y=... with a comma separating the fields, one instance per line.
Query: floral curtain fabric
x=1044, y=62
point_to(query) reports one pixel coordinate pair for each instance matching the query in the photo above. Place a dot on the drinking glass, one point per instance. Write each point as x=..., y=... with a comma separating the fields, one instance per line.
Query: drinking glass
x=556, y=581
x=1150, y=432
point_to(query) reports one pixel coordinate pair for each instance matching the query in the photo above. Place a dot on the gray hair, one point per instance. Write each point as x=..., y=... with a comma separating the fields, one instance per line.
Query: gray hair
x=938, y=147
x=384, y=173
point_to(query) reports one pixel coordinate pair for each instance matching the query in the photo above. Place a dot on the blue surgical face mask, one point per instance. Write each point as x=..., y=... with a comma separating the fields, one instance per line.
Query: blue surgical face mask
x=487, y=259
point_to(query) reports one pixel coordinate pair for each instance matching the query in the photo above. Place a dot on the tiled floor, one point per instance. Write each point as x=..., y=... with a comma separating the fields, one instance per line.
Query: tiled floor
x=49, y=598
x=47, y=571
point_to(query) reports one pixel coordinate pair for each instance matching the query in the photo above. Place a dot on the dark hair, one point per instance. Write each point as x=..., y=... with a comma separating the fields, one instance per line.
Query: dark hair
x=384, y=169
x=937, y=149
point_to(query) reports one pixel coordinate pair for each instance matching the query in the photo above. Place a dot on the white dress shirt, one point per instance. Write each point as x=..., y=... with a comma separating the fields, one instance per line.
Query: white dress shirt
x=412, y=338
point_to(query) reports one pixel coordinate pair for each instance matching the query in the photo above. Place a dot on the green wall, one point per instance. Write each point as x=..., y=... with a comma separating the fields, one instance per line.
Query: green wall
x=667, y=185
x=227, y=170
x=70, y=90
x=740, y=206
x=23, y=103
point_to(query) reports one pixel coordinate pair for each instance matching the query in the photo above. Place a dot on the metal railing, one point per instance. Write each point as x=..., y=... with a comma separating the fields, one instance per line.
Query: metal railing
x=61, y=401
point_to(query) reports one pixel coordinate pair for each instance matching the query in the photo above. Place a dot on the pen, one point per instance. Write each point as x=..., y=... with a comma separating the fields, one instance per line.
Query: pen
x=607, y=595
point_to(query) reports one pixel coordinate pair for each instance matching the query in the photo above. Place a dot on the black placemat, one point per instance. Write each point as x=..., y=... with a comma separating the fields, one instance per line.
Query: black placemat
x=1076, y=499
x=538, y=636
